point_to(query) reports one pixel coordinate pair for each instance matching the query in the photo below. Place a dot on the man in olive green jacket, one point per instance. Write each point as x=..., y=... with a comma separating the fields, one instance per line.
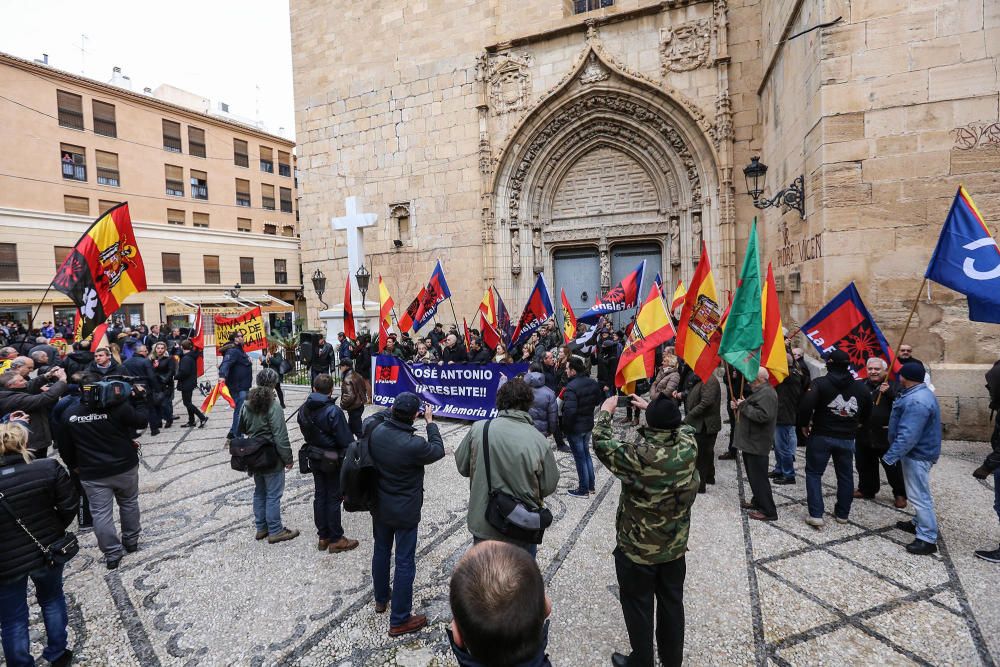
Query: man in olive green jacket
x=753, y=434
x=521, y=461
x=659, y=485
x=702, y=402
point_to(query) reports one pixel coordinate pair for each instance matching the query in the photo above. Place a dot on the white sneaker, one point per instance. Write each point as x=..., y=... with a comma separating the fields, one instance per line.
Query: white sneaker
x=815, y=522
x=839, y=520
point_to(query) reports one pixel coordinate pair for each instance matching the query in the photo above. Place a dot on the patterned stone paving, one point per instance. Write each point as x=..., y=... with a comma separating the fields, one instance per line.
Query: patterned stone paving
x=201, y=591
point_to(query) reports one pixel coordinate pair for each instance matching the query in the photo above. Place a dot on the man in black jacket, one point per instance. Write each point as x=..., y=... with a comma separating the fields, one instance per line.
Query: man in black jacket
x=453, y=350
x=581, y=396
x=37, y=398
x=478, y=354
x=103, y=363
x=187, y=382
x=79, y=358
x=140, y=367
x=324, y=427
x=991, y=466
x=830, y=415
x=400, y=456
x=100, y=445
x=873, y=436
x=237, y=370
x=322, y=359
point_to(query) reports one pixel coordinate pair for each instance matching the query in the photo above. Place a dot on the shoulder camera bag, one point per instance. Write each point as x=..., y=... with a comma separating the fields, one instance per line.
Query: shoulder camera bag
x=509, y=515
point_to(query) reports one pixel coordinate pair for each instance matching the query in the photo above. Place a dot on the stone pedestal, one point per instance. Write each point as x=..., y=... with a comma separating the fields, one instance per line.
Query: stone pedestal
x=364, y=318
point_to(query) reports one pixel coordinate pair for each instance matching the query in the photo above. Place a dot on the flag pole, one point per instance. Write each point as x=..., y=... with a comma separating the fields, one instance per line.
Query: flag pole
x=895, y=351
x=31, y=320
x=453, y=313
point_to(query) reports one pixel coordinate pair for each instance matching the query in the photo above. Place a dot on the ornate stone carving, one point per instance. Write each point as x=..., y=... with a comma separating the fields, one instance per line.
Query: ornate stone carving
x=977, y=135
x=675, y=242
x=615, y=230
x=605, y=270
x=515, y=250
x=509, y=83
x=696, y=237
x=623, y=105
x=594, y=70
x=536, y=250
x=723, y=130
x=686, y=46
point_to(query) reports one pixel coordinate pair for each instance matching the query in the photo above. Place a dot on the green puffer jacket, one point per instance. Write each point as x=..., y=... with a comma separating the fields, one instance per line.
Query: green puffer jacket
x=659, y=485
x=270, y=425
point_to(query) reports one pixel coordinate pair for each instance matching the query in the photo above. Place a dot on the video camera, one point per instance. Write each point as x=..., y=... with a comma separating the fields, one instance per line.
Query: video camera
x=111, y=392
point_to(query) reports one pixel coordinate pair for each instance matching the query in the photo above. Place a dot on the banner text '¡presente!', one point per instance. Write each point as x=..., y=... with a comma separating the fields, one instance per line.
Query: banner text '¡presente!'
x=445, y=373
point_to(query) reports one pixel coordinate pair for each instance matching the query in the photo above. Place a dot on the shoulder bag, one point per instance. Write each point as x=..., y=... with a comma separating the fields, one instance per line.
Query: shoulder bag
x=506, y=513
x=59, y=552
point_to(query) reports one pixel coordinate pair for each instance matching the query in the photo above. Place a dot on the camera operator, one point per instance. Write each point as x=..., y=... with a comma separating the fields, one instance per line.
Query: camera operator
x=99, y=445
x=35, y=397
x=141, y=369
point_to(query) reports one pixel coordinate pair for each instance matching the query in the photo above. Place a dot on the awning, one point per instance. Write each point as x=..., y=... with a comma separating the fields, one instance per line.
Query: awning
x=224, y=304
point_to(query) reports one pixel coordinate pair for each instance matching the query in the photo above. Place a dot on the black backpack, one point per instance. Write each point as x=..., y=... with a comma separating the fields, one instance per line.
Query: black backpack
x=358, y=476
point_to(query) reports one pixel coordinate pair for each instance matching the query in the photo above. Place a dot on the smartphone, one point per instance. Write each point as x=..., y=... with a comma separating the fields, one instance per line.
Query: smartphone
x=624, y=401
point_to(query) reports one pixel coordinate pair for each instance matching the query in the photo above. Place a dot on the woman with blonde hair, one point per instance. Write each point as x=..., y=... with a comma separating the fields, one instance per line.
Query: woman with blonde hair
x=667, y=380
x=40, y=494
x=502, y=356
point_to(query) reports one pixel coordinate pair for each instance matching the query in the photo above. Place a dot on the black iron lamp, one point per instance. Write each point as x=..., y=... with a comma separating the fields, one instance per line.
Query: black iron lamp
x=235, y=291
x=319, y=284
x=793, y=196
x=363, y=276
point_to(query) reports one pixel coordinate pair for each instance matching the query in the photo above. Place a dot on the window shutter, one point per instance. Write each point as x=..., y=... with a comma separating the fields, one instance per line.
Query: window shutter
x=76, y=205
x=174, y=173
x=107, y=160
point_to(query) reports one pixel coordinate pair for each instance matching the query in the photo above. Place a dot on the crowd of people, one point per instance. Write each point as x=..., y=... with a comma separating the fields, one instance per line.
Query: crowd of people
x=567, y=401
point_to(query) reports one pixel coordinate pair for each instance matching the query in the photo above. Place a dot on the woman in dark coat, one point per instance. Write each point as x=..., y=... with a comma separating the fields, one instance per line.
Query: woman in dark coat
x=187, y=380
x=165, y=368
x=41, y=495
x=274, y=360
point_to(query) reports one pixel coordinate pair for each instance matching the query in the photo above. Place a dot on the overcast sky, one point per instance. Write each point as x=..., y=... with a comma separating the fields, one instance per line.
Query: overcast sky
x=220, y=49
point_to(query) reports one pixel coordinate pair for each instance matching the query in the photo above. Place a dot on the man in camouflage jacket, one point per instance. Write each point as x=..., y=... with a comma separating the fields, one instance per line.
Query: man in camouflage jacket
x=659, y=485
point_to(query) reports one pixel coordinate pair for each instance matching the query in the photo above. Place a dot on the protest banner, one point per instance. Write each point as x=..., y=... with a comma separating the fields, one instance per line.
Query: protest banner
x=461, y=391
x=250, y=324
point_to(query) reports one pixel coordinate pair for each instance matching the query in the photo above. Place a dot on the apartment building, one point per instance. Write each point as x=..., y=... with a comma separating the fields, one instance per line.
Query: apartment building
x=212, y=201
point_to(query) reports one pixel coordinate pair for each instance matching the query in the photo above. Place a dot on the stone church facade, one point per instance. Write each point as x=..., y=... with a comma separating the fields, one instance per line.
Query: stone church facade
x=509, y=138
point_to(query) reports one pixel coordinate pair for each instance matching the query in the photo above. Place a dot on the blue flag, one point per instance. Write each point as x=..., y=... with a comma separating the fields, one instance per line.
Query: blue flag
x=967, y=259
x=536, y=312
x=623, y=296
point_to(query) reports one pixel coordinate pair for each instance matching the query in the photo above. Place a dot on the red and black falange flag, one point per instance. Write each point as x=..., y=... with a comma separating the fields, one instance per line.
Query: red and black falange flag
x=623, y=296
x=423, y=308
x=103, y=268
x=845, y=324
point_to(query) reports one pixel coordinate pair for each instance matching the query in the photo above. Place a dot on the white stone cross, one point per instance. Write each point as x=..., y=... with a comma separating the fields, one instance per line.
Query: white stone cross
x=354, y=223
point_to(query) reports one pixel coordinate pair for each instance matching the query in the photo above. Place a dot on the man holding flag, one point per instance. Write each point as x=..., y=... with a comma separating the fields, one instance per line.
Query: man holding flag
x=237, y=374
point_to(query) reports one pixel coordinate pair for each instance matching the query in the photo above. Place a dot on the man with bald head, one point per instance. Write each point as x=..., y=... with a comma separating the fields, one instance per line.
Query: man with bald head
x=756, y=419
x=499, y=608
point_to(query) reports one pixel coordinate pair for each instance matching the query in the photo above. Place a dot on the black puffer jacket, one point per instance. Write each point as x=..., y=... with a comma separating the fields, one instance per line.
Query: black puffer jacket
x=42, y=496
x=400, y=456
x=38, y=404
x=99, y=443
x=581, y=396
x=187, y=371
x=835, y=405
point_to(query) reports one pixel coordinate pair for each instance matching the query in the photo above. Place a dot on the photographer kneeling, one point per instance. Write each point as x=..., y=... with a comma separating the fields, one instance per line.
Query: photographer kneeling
x=100, y=445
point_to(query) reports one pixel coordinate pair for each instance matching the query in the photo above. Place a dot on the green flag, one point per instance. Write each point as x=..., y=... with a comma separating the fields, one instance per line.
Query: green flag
x=744, y=332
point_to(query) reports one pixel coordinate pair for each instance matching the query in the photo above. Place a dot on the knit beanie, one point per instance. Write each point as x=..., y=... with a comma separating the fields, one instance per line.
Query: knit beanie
x=912, y=371
x=663, y=413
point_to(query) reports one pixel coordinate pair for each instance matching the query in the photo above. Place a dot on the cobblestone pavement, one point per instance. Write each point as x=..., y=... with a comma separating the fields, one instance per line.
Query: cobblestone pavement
x=201, y=591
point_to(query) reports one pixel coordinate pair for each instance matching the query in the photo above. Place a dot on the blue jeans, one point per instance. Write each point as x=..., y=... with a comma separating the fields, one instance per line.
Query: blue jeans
x=819, y=450
x=14, y=616
x=326, y=505
x=406, y=569
x=784, y=450
x=917, y=477
x=579, y=445
x=240, y=397
x=267, y=493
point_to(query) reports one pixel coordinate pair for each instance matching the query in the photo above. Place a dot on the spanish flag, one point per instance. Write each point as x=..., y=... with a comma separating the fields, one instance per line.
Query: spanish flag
x=772, y=355
x=349, y=330
x=220, y=390
x=569, y=319
x=679, y=295
x=697, y=342
x=652, y=329
x=385, y=313
x=103, y=268
x=488, y=308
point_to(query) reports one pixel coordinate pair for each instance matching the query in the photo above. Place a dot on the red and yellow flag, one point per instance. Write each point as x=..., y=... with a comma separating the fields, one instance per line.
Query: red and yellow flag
x=652, y=329
x=349, y=330
x=197, y=336
x=385, y=313
x=103, y=269
x=220, y=390
x=772, y=354
x=569, y=319
x=679, y=295
x=488, y=308
x=697, y=343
